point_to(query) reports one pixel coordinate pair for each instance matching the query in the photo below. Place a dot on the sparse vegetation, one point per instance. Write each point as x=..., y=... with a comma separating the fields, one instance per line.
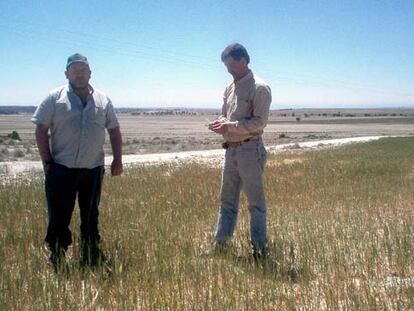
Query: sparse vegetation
x=396, y=120
x=14, y=135
x=341, y=225
x=18, y=153
x=154, y=133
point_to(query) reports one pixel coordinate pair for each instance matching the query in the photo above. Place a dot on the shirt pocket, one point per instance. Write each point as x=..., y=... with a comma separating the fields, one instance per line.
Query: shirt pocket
x=65, y=112
x=97, y=117
x=242, y=108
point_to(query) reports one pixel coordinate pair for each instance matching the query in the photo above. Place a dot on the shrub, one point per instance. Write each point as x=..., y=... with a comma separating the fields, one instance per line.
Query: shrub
x=4, y=151
x=14, y=135
x=18, y=153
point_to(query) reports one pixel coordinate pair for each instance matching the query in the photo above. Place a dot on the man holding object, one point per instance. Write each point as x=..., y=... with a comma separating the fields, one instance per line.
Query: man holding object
x=245, y=112
x=76, y=116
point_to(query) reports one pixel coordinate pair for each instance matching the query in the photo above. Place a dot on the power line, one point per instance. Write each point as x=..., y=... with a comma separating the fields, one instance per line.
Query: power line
x=37, y=32
x=121, y=47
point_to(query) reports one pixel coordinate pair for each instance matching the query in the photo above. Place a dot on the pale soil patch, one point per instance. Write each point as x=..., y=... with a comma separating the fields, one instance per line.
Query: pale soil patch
x=155, y=134
x=274, y=162
x=157, y=139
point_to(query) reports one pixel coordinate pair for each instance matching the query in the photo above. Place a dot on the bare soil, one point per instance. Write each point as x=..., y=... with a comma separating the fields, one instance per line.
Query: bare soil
x=175, y=133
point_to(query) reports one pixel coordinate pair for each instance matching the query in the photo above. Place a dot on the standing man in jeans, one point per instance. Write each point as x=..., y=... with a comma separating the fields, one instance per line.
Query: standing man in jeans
x=244, y=115
x=76, y=115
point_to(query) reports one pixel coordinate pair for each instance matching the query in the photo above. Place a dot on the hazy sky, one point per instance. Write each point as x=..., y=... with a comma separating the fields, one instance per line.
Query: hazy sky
x=326, y=53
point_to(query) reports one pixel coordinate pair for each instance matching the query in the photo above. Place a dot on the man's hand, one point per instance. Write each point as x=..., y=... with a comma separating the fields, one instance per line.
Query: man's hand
x=116, y=144
x=219, y=126
x=42, y=140
x=116, y=168
x=46, y=167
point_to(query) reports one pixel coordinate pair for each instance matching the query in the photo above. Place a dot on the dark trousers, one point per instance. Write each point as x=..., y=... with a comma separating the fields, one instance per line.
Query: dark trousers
x=62, y=185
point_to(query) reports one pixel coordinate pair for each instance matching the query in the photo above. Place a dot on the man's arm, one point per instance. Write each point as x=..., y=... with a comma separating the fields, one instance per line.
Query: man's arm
x=116, y=143
x=219, y=125
x=42, y=140
x=252, y=125
x=258, y=121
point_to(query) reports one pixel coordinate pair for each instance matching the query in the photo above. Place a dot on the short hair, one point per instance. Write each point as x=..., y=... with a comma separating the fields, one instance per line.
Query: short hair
x=236, y=51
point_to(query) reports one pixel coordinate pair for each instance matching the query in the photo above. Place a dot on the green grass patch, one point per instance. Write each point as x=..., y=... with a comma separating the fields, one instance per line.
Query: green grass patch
x=340, y=227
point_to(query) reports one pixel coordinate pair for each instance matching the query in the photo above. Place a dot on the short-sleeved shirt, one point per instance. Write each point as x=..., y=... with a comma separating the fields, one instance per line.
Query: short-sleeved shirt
x=246, y=105
x=77, y=134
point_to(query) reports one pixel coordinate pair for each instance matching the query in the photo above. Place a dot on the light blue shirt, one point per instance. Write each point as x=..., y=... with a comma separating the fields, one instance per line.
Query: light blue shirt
x=77, y=134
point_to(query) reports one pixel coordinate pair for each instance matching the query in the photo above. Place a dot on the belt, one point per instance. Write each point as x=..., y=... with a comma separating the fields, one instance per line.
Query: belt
x=229, y=144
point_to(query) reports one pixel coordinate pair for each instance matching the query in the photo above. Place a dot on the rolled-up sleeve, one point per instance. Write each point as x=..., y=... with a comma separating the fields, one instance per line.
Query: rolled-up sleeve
x=44, y=112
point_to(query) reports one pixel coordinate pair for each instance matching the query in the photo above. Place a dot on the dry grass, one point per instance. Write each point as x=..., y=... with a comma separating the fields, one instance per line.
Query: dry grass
x=340, y=224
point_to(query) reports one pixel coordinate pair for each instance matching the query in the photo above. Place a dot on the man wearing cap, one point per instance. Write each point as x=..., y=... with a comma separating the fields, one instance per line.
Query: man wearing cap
x=76, y=115
x=244, y=115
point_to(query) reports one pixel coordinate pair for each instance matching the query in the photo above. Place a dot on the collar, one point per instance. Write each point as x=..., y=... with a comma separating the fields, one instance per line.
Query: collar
x=70, y=89
x=248, y=76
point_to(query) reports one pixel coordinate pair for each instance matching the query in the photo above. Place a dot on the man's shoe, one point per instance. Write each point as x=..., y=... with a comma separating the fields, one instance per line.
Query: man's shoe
x=58, y=261
x=260, y=255
x=92, y=255
x=217, y=249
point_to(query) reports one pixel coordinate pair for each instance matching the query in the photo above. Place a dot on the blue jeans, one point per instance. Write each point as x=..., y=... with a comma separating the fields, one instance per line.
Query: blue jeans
x=243, y=168
x=62, y=186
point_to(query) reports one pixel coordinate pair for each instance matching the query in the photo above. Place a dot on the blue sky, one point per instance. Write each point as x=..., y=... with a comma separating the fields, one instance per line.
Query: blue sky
x=167, y=53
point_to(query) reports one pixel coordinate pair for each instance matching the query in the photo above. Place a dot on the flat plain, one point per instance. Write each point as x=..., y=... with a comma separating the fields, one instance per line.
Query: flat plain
x=143, y=134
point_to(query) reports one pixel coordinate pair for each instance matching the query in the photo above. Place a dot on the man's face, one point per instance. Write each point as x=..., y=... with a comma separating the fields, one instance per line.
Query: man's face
x=237, y=68
x=78, y=75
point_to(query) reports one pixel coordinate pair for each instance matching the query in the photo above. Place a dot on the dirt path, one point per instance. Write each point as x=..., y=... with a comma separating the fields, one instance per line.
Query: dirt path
x=13, y=168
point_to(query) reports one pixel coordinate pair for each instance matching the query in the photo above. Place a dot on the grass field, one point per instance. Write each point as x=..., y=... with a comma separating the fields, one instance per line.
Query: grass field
x=341, y=225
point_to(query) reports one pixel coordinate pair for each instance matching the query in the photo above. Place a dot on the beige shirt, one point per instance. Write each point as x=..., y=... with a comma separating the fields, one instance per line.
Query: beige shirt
x=77, y=134
x=246, y=105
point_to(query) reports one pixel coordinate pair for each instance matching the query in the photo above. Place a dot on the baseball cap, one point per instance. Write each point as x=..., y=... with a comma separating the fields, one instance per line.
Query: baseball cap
x=76, y=58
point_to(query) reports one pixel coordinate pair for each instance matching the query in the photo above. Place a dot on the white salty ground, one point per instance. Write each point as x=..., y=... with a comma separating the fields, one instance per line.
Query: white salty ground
x=14, y=168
